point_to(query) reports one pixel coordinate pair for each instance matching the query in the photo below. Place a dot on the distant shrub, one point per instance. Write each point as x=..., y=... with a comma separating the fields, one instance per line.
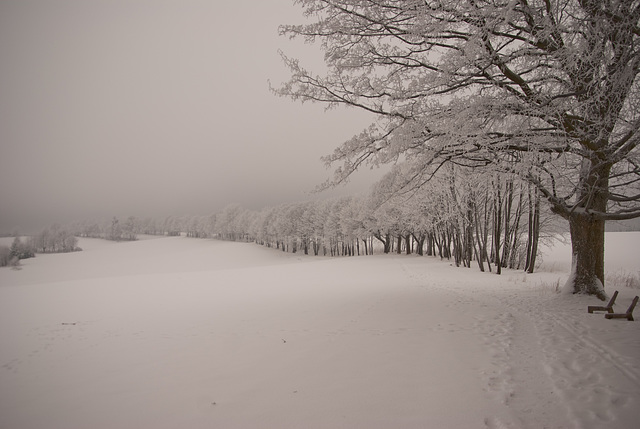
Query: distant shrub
x=22, y=250
x=624, y=279
x=11, y=256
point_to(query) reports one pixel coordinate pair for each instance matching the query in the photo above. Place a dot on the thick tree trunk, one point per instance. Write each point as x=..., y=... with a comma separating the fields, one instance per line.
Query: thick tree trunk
x=587, y=244
x=587, y=231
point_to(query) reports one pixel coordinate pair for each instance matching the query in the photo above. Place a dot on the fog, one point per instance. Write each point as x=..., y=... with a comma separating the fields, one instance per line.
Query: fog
x=155, y=108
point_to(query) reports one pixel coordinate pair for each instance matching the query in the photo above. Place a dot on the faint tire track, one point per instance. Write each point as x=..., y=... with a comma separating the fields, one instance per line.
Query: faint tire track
x=603, y=352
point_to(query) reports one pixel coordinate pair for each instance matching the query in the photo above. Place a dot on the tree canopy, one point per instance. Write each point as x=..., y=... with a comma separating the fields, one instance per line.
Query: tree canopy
x=545, y=89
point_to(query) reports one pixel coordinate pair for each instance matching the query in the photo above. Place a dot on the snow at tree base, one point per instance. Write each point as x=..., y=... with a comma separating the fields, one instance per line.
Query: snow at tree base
x=180, y=332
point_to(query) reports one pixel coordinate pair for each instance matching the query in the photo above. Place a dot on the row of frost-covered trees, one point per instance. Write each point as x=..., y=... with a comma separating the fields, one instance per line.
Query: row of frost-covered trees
x=489, y=220
x=53, y=239
x=128, y=229
x=113, y=229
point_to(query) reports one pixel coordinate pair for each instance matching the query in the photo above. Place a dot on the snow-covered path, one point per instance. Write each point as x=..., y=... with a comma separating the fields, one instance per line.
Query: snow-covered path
x=554, y=365
x=193, y=333
x=514, y=374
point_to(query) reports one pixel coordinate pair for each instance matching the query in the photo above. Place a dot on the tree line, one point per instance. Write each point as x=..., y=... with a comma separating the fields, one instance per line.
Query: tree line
x=493, y=221
x=129, y=228
x=472, y=217
x=53, y=239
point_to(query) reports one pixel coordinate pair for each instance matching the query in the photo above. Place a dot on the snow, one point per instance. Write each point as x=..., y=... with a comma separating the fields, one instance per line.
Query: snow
x=178, y=332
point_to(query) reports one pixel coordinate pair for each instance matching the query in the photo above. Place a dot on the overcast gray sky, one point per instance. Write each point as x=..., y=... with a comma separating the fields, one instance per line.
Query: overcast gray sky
x=150, y=108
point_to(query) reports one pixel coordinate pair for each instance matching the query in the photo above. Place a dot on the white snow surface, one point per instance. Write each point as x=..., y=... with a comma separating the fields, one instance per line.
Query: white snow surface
x=192, y=333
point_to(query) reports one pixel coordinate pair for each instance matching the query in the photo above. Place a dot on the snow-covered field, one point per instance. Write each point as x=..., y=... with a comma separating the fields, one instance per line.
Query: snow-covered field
x=192, y=333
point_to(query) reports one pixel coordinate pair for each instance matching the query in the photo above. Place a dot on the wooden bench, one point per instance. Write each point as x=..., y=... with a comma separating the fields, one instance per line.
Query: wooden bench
x=608, y=308
x=628, y=315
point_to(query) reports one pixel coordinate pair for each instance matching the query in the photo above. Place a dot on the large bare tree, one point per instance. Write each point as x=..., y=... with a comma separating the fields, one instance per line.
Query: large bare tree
x=547, y=89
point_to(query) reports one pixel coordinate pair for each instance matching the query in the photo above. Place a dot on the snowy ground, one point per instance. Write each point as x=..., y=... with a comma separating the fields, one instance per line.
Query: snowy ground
x=188, y=333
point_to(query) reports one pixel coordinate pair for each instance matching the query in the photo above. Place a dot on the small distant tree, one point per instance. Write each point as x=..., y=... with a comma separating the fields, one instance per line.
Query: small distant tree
x=115, y=231
x=130, y=229
x=171, y=226
x=67, y=241
x=41, y=241
x=21, y=250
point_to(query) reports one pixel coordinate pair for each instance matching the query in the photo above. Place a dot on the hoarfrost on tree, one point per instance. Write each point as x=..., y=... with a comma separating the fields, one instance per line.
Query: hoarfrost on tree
x=545, y=89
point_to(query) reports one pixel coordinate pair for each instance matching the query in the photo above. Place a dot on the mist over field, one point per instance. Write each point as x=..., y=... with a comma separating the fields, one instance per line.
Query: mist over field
x=154, y=108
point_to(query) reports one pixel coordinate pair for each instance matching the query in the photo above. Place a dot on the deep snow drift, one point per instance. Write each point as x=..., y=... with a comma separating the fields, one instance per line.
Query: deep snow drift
x=177, y=332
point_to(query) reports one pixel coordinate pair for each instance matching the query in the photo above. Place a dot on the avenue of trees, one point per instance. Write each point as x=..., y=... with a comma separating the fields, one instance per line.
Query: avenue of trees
x=488, y=220
x=471, y=217
x=543, y=90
